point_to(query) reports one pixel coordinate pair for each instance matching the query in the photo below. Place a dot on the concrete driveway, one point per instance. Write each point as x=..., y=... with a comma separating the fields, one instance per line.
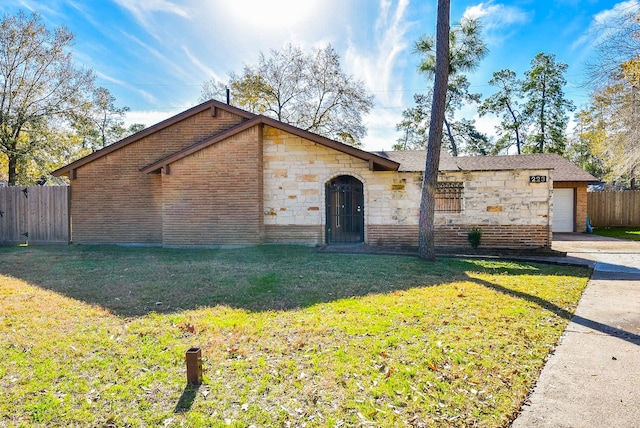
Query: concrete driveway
x=593, y=377
x=609, y=254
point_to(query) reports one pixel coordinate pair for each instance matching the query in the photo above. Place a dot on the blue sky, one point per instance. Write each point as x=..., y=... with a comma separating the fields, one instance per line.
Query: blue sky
x=154, y=55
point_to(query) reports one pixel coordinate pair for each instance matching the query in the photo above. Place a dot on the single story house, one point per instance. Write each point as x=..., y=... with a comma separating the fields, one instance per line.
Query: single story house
x=216, y=175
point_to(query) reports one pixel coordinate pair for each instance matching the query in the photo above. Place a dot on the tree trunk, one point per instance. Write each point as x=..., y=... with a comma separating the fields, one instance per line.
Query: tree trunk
x=452, y=141
x=426, y=237
x=13, y=162
x=515, y=123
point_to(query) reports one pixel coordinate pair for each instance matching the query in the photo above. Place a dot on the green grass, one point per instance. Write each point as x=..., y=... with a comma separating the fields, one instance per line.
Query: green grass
x=92, y=336
x=630, y=233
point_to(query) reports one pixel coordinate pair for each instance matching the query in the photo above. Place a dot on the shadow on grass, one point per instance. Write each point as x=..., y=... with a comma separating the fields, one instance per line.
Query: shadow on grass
x=132, y=282
x=135, y=281
x=563, y=313
x=187, y=398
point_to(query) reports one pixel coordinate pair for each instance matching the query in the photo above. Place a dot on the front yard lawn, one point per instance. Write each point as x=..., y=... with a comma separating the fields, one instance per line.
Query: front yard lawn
x=630, y=233
x=96, y=336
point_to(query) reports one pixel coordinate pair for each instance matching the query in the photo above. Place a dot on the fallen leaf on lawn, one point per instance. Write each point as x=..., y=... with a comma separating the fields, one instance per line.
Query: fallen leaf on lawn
x=389, y=372
x=189, y=328
x=433, y=367
x=384, y=354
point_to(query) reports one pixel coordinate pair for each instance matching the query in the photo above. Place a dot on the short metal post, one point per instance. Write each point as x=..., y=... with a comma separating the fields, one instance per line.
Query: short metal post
x=194, y=366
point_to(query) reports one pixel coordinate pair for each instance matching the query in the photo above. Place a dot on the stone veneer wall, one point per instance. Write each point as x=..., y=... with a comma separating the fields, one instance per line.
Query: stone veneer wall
x=510, y=210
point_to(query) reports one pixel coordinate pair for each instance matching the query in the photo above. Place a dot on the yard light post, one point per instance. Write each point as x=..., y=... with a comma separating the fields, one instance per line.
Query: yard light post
x=194, y=366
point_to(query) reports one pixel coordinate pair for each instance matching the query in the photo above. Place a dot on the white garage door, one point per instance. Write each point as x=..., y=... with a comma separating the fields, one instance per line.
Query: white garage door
x=563, y=210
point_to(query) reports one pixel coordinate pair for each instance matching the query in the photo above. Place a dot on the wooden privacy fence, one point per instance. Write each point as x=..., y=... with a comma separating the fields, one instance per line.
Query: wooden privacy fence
x=614, y=208
x=34, y=214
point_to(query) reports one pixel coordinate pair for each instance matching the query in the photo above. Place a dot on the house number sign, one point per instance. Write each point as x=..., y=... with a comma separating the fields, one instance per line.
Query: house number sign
x=537, y=179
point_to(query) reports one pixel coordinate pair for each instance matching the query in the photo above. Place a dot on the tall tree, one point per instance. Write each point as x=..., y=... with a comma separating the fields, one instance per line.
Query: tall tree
x=309, y=91
x=466, y=51
x=615, y=116
x=415, y=125
x=588, y=138
x=100, y=122
x=616, y=54
x=40, y=85
x=505, y=103
x=426, y=235
x=631, y=67
x=547, y=107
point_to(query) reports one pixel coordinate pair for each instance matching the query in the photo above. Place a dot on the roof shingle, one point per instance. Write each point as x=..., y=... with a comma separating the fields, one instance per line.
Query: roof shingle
x=563, y=169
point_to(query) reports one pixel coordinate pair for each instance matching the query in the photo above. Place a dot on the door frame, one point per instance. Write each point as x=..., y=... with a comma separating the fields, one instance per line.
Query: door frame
x=344, y=214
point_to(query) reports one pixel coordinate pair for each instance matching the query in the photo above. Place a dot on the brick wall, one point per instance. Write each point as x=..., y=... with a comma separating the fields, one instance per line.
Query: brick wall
x=270, y=187
x=112, y=202
x=214, y=196
x=456, y=235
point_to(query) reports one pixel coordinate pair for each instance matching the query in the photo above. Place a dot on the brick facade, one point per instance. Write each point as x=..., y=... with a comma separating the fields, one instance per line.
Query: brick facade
x=113, y=202
x=456, y=235
x=214, y=196
x=219, y=176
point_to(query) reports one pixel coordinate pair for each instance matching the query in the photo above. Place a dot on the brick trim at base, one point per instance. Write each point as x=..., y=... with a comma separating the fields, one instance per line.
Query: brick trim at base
x=492, y=235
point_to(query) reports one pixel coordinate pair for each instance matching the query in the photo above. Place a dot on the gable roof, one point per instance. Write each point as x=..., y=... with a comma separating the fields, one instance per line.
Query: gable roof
x=563, y=169
x=376, y=162
x=211, y=104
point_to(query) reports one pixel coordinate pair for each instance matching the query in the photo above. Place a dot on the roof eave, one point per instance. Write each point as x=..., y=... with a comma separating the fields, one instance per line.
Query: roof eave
x=211, y=104
x=162, y=163
x=376, y=163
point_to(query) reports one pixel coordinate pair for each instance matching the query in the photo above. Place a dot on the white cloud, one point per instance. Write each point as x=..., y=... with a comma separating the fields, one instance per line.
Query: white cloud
x=381, y=127
x=381, y=67
x=495, y=16
x=271, y=15
x=605, y=22
x=608, y=16
x=206, y=70
x=146, y=13
x=141, y=9
x=378, y=66
x=148, y=117
x=170, y=65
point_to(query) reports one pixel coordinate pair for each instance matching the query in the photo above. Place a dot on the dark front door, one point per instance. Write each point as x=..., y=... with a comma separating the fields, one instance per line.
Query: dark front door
x=345, y=210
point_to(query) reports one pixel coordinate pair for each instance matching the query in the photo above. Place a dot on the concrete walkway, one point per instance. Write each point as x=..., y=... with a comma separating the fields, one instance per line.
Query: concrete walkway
x=593, y=377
